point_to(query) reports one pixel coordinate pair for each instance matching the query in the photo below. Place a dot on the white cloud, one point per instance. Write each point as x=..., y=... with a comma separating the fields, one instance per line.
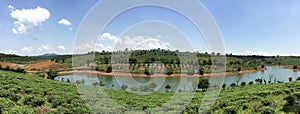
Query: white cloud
x=145, y=42
x=92, y=46
x=27, y=49
x=45, y=47
x=28, y=19
x=10, y=51
x=60, y=47
x=11, y=7
x=137, y=42
x=109, y=36
x=64, y=22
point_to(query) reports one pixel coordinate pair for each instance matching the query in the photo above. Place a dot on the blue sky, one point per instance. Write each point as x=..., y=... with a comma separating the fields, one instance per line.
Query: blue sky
x=269, y=27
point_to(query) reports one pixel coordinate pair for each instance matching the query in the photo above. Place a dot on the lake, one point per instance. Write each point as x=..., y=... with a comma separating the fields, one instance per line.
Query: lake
x=275, y=73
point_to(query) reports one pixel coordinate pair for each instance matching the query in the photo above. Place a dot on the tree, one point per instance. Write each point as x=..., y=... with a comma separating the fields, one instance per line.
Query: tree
x=168, y=87
x=124, y=86
x=239, y=69
x=109, y=69
x=203, y=84
x=290, y=79
x=201, y=71
x=295, y=67
x=169, y=71
x=258, y=80
x=52, y=74
x=232, y=85
x=250, y=83
x=148, y=71
x=243, y=83
x=224, y=85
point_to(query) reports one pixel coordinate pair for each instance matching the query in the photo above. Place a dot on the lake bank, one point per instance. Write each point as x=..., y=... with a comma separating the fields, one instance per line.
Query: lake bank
x=157, y=75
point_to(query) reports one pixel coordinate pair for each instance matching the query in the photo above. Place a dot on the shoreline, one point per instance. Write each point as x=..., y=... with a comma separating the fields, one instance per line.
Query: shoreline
x=157, y=75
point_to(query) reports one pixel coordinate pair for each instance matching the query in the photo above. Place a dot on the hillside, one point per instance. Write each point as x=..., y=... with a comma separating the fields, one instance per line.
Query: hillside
x=30, y=94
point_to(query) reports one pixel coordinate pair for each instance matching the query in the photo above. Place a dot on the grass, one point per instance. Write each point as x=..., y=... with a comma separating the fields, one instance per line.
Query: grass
x=25, y=93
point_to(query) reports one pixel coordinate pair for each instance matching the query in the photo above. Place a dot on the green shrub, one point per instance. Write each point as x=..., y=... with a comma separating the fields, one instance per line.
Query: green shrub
x=267, y=110
x=250, y=83
x=232, y=85
x=224, y=86
x=38, y=101
x=230, y=110
x=290, y=79
x=266, y=102
x=243, y=83
x=109, y=69
x=52, y=74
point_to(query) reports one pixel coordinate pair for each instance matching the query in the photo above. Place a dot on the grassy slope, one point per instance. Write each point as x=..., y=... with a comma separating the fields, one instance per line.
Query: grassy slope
x=26, y=93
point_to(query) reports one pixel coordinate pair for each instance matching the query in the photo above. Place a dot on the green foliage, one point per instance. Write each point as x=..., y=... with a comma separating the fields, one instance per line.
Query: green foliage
x=109, y=69
x=168, y=87
x=295, y=66
x=290, y=79
x=201, y=71
x=7, y=68
x=243, y=83
x=203, y=84
x=259, y=80
x=230, y=110
x=23, y=94
x=250, y=83
x=149, y=71
x=232, y=84
x=267, y=110
x=224, y=86
x=169, y=71
x=52, y=74
x=124, y=86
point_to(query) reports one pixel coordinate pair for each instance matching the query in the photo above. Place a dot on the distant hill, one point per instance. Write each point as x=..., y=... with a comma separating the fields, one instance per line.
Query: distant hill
x=49, y=54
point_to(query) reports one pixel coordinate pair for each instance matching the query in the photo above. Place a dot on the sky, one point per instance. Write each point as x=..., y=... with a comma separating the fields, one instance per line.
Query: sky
x=253, y=27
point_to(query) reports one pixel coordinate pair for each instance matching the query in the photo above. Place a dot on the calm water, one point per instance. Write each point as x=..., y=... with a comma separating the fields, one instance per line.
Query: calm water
x=278, y=73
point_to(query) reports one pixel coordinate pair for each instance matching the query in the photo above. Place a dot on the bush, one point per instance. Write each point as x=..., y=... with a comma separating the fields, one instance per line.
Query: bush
x=7, y=68
x=266, y=103
x=203, y=84
x=290, y=79
x=201, y=71
x=52, y=74
x=230, y=110
x=38, y=101
x=243, y=83
x=109, y=69
x=250, y=83
x=290, y=100
x=295, y=67
x=124, y=87
x=224, y=86
x=267, y=110
x=169, y=71
x=298, y=78
x=232, y=85
x=148, y=71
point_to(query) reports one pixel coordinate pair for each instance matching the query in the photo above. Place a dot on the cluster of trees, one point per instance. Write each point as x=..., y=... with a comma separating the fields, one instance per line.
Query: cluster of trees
x=16, y=69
